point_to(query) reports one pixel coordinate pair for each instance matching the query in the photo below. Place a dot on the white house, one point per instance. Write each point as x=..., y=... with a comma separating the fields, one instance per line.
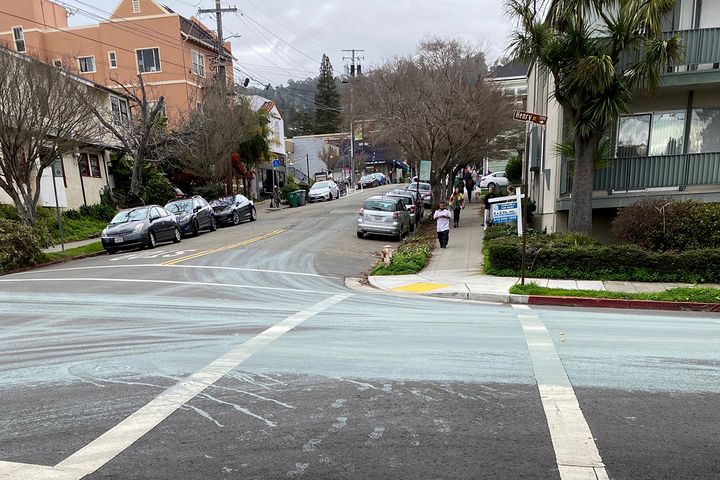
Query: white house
x=276, y=140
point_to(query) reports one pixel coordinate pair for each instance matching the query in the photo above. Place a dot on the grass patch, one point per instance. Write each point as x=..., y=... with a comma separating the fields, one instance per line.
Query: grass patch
x=81, y=228
x=413, y=254
x=73, y=252
x=681, y=294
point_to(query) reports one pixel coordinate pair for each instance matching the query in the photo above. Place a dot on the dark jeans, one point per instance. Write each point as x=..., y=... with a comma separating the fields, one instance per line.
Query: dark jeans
x=456, y=216
x=443, y=238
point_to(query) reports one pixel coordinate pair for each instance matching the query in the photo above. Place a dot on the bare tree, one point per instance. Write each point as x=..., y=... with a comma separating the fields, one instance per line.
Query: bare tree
x=437, y=106
x=140, y=128
x=43, y=116
x=330, y=156
x=206, y=141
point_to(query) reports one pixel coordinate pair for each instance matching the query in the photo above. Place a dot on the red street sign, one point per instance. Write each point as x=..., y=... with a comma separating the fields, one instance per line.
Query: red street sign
x=530, y=117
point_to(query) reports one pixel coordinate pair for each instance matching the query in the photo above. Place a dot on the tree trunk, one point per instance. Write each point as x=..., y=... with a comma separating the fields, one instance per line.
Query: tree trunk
x=136, y=181
x=580, y=217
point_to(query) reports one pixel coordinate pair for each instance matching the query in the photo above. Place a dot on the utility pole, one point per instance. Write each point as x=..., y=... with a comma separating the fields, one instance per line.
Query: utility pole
x=355, y=69
x=221, y=61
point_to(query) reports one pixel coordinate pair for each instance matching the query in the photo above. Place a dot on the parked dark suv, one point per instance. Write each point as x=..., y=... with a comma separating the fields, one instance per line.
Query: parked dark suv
x=193, y=214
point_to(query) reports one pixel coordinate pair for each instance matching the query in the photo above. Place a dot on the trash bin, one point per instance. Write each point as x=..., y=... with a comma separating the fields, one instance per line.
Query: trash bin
x=292, y=199
x=300, y=197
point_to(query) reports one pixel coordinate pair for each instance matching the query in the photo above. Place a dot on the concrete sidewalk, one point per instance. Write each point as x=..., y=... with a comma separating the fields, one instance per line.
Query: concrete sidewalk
x=456, y=271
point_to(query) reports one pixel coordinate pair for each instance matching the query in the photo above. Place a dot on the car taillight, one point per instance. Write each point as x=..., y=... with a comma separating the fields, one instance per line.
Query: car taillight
x=412, y=208
x=396, y=215
x=361, y=212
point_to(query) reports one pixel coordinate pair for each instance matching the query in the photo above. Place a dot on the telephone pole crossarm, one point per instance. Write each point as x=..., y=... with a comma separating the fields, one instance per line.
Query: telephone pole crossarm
x=221, y=61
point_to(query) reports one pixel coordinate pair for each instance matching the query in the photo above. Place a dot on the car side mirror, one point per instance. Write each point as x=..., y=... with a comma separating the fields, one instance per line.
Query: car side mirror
x=237, y=204
x=153, y=218
x=196, y=209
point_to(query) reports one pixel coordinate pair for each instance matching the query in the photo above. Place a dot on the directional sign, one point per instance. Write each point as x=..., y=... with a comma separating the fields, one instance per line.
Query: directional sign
x=530, y=117
x=276, y=163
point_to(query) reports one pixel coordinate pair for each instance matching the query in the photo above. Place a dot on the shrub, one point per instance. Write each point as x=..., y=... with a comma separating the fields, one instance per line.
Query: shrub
x=100, y=211
x=497, y=231
x=158, y=189
x=578, y=256
x=513, y=169
x=288, y=188
x=661, y=224
x=20, y=245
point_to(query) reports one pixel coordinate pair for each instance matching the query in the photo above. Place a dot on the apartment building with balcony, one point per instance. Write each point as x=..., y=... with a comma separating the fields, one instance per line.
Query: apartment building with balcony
x=668, y=146
x=174, y=54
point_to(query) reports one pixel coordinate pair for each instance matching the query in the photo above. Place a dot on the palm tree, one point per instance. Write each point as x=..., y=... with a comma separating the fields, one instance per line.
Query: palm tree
x=599, y=53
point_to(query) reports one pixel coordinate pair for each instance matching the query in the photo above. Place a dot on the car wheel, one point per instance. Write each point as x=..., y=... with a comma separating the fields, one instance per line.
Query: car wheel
x=196, y=228
x=151, y=240
x=360, y=235
x=111, y=251
x=235, y=218
x=253, y=214
x=491, y=185
x=213, y=224
x=177, y=236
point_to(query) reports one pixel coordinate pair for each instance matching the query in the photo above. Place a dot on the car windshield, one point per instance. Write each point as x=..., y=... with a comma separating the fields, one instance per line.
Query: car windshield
x=179, y=206
x=380, y=205
x=134, y=215
x=423, y=186
x=222, y=202
x=319, y=185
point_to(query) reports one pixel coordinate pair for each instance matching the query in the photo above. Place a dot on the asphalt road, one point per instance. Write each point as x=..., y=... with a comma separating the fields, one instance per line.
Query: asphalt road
x=241, y=354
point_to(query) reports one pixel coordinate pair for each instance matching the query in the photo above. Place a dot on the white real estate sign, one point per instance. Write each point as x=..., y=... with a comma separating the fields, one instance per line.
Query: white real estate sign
x=508, y=210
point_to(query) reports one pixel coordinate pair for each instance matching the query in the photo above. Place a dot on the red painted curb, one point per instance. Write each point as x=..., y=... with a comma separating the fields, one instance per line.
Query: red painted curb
x=626, y=304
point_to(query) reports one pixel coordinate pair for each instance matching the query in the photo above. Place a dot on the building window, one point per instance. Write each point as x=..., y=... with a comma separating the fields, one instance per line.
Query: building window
x=89, y=165
x=667, y=133
x=148, y=60
x=198, y=63
x=633, y=136
x=112, y=57
x=136, y=6
x=705, y=130
x=120, y=111
x=57, y=62
x=87, y=64
x=19, y=38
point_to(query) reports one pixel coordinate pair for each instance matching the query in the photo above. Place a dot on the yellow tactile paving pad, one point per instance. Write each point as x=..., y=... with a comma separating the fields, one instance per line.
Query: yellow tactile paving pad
x=420, y=287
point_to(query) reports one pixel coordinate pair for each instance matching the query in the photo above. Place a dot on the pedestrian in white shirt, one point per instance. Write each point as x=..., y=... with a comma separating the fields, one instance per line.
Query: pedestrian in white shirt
x=443, y=216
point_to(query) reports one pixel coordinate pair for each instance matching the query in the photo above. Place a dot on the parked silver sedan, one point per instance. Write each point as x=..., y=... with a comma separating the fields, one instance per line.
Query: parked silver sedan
x=383, y=216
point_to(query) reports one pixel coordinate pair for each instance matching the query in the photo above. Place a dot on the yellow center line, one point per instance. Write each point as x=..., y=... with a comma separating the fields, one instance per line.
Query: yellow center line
x=203, y=253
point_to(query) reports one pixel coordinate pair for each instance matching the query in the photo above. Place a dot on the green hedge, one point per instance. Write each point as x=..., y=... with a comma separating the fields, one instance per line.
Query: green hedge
x=576, y=256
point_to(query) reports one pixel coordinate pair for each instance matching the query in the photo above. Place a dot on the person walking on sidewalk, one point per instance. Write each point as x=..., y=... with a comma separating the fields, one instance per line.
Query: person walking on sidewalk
x=457, y=202
x=486, y=200
x=442, y=217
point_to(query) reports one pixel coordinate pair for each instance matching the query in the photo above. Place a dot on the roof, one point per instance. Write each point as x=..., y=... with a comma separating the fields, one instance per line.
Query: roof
x=198, y=31
x=510, y=70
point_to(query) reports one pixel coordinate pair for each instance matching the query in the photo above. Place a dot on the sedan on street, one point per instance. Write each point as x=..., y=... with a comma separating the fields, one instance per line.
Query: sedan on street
x=368, y=181
x=383, y=216
x=233, y=209
x=140, y=227
x=495, y=179
x=193, y=214
x=425, y=192
x=325, y=190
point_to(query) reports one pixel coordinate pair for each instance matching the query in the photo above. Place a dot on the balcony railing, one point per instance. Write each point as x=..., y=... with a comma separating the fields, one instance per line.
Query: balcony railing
x=701, y=48
x=640, y=173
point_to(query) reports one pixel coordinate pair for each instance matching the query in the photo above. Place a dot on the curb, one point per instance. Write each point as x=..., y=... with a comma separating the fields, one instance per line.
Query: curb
x=54, y=262
x=623, y=304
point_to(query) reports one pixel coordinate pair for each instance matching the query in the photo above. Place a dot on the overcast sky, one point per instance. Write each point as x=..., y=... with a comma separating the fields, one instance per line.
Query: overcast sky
x=282, y=39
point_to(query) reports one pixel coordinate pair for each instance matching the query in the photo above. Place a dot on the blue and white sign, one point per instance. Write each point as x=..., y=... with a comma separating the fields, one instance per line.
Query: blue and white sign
x=505, y=212
x=508, y=210
x=276, y=163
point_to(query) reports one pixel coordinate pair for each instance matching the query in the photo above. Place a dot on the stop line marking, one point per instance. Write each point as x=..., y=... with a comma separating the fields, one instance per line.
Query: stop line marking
x=113, y=442
x=576, y=453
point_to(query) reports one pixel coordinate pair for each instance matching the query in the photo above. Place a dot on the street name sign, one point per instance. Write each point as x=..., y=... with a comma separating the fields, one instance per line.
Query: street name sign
x=530, y=117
